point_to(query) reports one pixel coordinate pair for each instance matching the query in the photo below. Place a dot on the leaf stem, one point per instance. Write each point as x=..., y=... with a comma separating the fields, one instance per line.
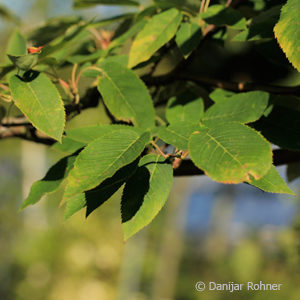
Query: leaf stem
x=159, y=150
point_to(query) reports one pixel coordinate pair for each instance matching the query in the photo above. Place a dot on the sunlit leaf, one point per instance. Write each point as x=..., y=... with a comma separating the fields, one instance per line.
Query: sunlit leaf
x=157, y=32
x=272, y=183
x=38, y=99
x=125, y=95
x=230, y=152
x=287, y=31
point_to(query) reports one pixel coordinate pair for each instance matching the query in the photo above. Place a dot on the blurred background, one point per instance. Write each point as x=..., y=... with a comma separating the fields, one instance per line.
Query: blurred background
x=206, y=232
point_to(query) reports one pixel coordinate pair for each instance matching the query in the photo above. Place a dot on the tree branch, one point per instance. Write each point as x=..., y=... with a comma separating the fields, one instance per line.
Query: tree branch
x=217, y=83
x=280, y=157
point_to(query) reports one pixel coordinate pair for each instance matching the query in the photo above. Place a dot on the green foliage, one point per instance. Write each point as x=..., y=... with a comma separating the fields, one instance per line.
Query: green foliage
x=157, y=32
x=37, y=97
x=230, y=152
x=171, y=80
x=272, y=183
x=125, y=95
x=102, y=158
x=287, y=31
x=243, y=107
x=188, y=37
x=145, y=193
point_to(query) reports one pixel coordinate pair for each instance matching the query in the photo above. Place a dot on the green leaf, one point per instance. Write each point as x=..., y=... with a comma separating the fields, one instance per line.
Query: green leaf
x=220, y=94
x=24, y=62
x=293, y=171
x=230, y=152
x=38, y=99
x=191, y=6
x=187, y=107
x=125, y=95
x=243, y=107
x=220, y=15
x=188, y=38
x=145, y=193
x=133, y=30
x=83, y=58
x=157, y=32
x=272, y=183
x=51, y=181
x=88, y=3
x=79, y=137
x=94, y=198
x=16, y=45
x=261, y=26
x=281, y=127
x=287, y=32
x=177, y=134
x=102, y=158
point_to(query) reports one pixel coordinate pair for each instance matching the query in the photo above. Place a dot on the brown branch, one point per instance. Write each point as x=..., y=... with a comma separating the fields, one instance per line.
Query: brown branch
x=227, y=85
x=280, y=157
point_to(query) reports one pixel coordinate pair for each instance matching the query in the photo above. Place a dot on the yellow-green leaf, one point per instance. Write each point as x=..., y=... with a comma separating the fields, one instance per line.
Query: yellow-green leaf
x=157, y=32
x=230, y=152
x=287, y=31
x=38, y=99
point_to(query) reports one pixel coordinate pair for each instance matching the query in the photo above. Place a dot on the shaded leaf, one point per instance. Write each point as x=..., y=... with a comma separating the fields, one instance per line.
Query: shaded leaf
x=230, y=152
x=293, y=171
x=188, y=38
x=272, y=183
x=287, y=31
x=88, y=3
x=220, y=15
x=24, y=62
x=94, y=198
x=125, y=95
x=281, y=127
x=220, y=94
x=156, y=33
x=187, y=107
x=38, y=99
x=102, y=158
x=51, y=181
x=243, y=107
x=177, y=134
x=145, y=193
x=261, y=26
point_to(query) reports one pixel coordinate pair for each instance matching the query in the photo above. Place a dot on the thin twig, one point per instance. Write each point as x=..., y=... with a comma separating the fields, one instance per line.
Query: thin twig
x=159, y=150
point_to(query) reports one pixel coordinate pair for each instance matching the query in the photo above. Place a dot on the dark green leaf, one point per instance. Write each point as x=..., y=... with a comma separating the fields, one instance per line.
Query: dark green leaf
x=221, y=15
x=188, y=38
x=102, y=158
x=94, y=198
x=51, y=181
x=145, y=193
x=293, y=171
x=281, y=127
